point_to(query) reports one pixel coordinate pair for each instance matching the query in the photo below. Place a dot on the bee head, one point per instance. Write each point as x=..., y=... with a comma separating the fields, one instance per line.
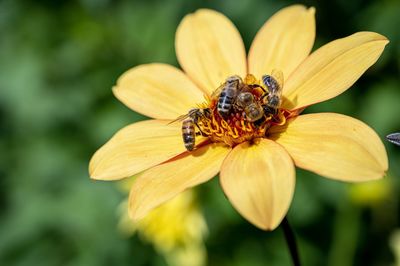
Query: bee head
x=267, y=80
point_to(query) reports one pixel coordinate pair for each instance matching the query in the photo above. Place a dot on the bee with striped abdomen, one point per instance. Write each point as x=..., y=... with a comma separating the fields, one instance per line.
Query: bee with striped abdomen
x=272, y=99
x=188, y=133
x=189, y=121
x=251, y=108
x=226, y=95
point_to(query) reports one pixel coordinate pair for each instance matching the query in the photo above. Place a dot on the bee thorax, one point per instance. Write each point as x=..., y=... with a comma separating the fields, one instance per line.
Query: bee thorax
x=274, y=101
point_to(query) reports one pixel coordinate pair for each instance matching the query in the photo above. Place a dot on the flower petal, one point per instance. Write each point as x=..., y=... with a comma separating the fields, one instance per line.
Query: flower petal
x=334, y=145
x=259, y=181
x=283, y=42
x=332, y=69
x=209, y=48
x=163, y=182
x=135, y=148
x=157, y=90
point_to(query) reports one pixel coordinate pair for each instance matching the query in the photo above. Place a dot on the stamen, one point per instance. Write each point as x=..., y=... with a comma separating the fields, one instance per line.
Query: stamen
x=236, y=133
x=234, y=127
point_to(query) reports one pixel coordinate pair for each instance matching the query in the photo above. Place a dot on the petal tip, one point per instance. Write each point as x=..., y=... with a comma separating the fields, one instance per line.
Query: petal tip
x=133, y=210
x=118, y=93
x=101, y=172
x=95, y=176
x=302, y=8
x=136, y=211
x=385, y=41
x=204, y=10
x=374, y=36
x=91, y=175
x=92, y=169
x=267, y=225
x=115, y=90
x=295, y=6
x=270, y=226
x=134, y=215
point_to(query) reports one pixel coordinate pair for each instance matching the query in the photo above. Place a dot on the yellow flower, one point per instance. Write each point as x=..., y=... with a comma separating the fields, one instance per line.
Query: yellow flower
x=176, y=229
x=394, y=243
x=258, y=174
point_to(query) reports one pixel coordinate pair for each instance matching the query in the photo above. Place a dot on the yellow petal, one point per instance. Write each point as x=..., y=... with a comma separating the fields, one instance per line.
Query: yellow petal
x=334, y=145
x=135, y=148
x=161, y=183
x=259, y=181
x=283, y=42
x=209, y=48
x=332, y=69
x=157, y=90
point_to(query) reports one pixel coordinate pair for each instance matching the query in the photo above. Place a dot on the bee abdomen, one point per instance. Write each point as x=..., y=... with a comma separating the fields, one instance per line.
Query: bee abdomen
x=270, y=110
x=225, y=101
x=188, y=134
x=254, y=112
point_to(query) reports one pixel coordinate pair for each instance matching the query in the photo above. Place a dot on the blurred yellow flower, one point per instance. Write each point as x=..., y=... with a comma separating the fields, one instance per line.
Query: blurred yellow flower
x=394, y=243
x=176, y=229
x=371, y=193
x=256, y=170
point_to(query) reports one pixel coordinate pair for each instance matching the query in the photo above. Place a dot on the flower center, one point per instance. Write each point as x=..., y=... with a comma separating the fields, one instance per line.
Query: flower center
x=238, y=111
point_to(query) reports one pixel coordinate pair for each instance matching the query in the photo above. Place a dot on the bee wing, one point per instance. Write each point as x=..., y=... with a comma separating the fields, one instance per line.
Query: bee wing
x=394, y=138
x=278, y=76
x=179, y=118
x=217, y=91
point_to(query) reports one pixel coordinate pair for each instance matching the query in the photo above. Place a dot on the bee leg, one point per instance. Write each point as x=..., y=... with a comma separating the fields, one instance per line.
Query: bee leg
x=262, y=89
x=266, y=94
x=207, y=112
x=236, y=107
x=200, y=131
x=268, y=110
x=258, y=122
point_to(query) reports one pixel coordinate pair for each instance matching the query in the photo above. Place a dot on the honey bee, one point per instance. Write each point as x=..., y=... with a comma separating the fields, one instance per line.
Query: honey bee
x=189, y=121
x=188, y=133
x=226, y=94
x=394, y=138
x=252, y=109
x=272, y=99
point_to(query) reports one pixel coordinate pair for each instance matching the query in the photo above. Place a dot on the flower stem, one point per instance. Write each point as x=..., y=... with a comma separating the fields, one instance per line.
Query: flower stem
x=291, y=242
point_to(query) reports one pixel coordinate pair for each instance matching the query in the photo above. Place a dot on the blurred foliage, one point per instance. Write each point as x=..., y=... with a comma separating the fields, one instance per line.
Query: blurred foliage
x=58, y=61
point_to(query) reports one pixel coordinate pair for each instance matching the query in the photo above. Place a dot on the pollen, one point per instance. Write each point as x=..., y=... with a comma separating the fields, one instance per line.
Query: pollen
x=245, y=121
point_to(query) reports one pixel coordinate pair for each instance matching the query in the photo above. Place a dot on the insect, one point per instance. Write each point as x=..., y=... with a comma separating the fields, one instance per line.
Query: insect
x=226, y=94
x=252, y=109
x=394, y=138
x=272, y=99
x=189, y=121
x=188, y=133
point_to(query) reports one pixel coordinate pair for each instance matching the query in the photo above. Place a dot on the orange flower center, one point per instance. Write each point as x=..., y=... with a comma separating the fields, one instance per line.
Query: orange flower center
x=243, y=114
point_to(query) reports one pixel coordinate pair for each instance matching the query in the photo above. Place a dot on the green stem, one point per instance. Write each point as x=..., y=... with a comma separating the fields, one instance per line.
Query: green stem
x=291, y=242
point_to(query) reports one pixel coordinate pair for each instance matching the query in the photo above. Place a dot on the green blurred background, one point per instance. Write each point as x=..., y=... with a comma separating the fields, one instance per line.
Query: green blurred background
x=58, y=62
